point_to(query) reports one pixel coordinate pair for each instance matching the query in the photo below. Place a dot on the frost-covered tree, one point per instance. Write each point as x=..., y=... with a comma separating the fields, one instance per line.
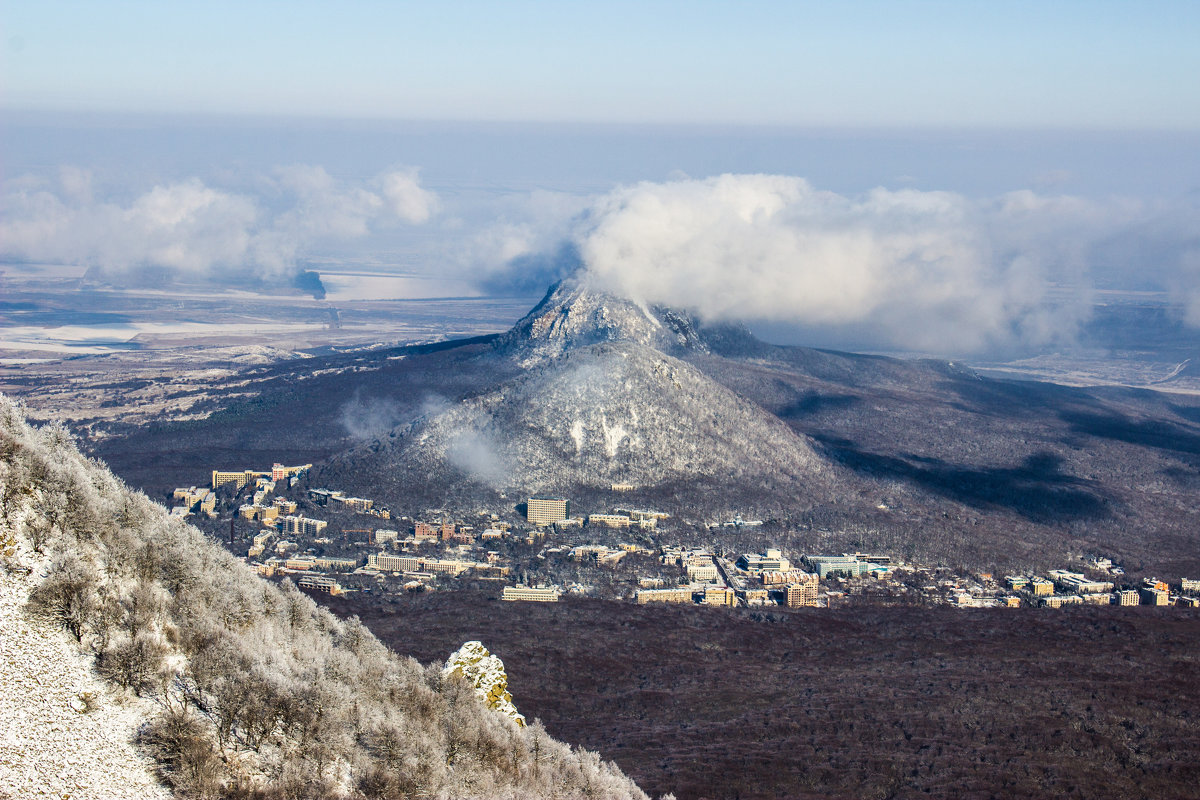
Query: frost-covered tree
x=262, y=693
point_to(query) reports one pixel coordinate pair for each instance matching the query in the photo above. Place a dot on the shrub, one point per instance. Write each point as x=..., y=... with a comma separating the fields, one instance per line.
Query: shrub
x=68, y=595
x=184, y=750
x=134, y=663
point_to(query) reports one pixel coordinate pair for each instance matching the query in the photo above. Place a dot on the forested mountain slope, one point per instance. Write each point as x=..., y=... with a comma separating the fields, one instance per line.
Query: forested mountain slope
x=257, y=692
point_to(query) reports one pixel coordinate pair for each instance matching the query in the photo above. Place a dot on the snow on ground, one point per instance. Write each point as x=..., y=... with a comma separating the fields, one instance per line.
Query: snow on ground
x=64, y=733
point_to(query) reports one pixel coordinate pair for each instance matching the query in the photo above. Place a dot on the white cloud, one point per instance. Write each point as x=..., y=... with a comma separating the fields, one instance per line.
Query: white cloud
x=919, y=269
x=191, y=227
x=407, y=201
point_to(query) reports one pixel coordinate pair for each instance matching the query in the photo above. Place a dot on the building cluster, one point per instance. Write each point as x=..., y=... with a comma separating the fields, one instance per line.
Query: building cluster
x=755, y=579
x=423, y=568
x=193, y=500
x=1066, y=588
x=542, y=511
x=291, y=543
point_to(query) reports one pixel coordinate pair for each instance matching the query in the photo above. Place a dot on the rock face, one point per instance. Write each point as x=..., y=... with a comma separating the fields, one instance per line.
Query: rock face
x=485, y=672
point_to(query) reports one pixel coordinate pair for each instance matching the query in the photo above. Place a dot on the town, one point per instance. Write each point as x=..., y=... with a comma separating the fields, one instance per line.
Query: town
x=330, y=542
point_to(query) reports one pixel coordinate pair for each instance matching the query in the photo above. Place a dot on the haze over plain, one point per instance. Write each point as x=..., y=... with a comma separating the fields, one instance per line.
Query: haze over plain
x=906, y=176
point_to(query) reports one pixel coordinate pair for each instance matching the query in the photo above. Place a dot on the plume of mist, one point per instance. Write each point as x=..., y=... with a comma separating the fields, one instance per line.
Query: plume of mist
x=919, y=269
x=369, y=418
x=191, y=228
x=476, y=454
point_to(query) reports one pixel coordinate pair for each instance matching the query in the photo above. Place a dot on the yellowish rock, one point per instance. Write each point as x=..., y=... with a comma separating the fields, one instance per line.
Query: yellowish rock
x=485, y=672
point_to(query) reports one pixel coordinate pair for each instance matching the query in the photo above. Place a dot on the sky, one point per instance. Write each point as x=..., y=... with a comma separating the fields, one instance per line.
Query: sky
x=939, y=176
x=1064, y=63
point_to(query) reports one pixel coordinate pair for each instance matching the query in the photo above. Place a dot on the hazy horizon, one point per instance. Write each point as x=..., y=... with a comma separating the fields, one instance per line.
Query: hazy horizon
x=890, y=175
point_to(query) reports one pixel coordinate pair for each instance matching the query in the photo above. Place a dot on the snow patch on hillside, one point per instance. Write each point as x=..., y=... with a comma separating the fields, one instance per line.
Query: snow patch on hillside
x=64, y=732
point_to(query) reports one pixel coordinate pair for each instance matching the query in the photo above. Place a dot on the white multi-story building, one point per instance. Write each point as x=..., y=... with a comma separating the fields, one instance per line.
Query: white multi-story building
x=547, y=510
x=548, y=594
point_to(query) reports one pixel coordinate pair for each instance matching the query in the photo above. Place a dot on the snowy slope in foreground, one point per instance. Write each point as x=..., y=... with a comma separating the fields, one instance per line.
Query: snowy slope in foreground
x=256, y=690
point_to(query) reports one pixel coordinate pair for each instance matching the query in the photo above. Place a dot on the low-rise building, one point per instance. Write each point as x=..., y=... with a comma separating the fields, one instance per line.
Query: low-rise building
x=1187, y=585
x=598, y=553
x=440, y=566
x=360, y=504
x=1155, y=583
x=1078, y=583
x=322, y=496
x=1016, y=583
x=547, y=594
x=703, y=573
x=754, y=596
x=320, y=583
x=609, y=520
x=329, y=563
x=1059, y=600
x=770, y=560
x=385, y=536
x=719, y=596
x=681, y=594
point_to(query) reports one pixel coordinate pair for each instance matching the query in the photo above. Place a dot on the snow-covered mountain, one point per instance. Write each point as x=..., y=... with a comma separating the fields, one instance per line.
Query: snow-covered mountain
x=602, y=395
x=572, y=315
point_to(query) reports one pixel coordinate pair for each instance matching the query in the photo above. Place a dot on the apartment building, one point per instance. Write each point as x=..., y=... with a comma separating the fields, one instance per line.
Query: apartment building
x=802, y=594
x=1128, y=597
x=387, y=562
x=301, y=525
x=543, y=511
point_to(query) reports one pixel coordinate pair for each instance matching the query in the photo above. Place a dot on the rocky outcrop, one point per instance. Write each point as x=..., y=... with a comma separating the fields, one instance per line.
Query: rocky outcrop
x=485, y=672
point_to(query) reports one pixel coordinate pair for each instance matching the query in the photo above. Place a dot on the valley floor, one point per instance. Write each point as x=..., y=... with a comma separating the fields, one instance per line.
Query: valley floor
x=876, y=702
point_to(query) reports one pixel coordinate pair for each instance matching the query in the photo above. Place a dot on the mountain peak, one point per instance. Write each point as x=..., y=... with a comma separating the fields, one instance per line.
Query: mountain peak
x=573, y=314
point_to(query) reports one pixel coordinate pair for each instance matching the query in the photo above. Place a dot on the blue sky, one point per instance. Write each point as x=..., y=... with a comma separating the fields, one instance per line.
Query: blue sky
x=1081, y=65
x=953, y=172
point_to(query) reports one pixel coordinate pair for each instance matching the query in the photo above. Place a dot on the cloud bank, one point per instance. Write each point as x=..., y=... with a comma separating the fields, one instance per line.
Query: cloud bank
x=191, y=228
x=919, y=269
